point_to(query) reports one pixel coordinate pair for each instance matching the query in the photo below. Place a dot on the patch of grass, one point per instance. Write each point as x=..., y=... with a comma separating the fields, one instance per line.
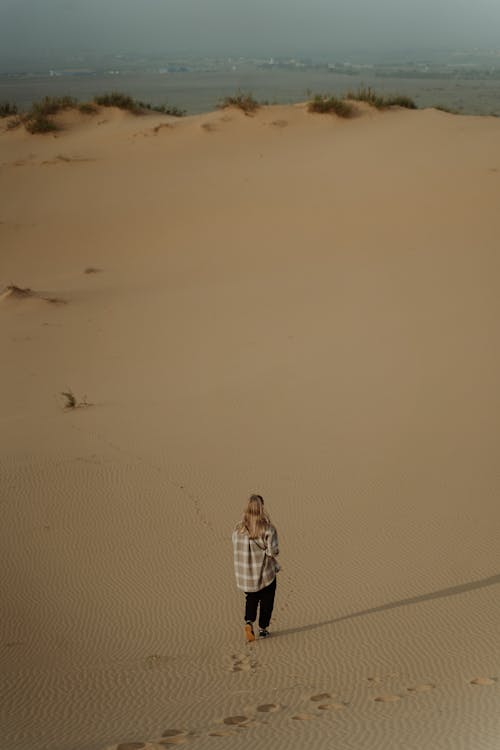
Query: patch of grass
x=39, y=124
x=241, y=100
x=51, y=105
x=366, y=94
x=400, y=101
x=7, y=109
x=120, y=100
x=124, y=101
x=324, y=104
x=88, y=108
x=37, y=119
x=164, y=109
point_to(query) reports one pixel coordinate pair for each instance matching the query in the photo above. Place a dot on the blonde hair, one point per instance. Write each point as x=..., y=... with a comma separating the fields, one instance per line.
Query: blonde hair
x=255, y=519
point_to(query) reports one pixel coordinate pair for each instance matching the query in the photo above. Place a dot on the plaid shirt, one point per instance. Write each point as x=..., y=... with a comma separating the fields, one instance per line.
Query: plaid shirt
x=255, y=566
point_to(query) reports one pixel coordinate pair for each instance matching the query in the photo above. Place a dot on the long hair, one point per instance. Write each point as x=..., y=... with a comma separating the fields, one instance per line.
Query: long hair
x=255, y=519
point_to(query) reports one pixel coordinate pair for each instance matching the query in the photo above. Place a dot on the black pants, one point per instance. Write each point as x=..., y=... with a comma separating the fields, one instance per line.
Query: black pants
x=264, y=597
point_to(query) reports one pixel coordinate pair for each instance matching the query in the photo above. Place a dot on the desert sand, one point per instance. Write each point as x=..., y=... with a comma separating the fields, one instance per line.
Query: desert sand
x=291, y=304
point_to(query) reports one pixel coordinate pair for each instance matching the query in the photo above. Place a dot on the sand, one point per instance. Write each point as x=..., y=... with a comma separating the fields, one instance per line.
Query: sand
x=289, y=304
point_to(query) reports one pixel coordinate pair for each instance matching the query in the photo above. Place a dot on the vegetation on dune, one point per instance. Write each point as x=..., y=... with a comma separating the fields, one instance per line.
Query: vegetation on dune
x=241, y=100
x=51, y=105
x=324, y=104
x=39, y=124
x=39, y=118
x=164, y=109
x=117, y=99
x=7, y=109
x=126, y=102
x=366, y=94
x=88, y=108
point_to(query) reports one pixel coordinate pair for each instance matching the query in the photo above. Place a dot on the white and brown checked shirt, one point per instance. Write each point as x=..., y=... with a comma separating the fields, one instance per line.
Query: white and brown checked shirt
x=254, y=563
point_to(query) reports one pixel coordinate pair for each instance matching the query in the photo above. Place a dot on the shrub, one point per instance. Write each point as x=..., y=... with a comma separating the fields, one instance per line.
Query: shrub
x=51, y=105
x=246, y=102
x=37, y=119
x=39, y=124
x=87, y=108
x=166, y=109
x=7, y=109
x=366, y=94
x=400, y=101
x=330, y=104
x=117, y=99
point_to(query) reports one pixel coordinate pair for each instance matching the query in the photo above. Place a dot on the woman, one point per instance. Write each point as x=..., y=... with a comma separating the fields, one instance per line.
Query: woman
x=255, y=544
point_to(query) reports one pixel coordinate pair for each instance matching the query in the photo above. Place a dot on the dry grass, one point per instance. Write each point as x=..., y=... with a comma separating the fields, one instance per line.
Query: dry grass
x=366, y=94
x=244, y=101
x=325, y=104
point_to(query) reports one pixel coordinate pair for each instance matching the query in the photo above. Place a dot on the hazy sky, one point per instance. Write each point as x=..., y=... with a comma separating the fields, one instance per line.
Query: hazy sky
x=31, y=27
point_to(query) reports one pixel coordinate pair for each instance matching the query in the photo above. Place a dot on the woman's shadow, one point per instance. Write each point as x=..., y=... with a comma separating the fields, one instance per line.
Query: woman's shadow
x=452, y=591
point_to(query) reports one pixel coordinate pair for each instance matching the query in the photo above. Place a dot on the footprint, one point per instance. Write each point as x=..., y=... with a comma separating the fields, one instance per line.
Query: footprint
x=221, y=733
x=376, y=680
x=268, y=708
x=421, y=688
x=237, y=720
x=333, y=706
x=242, y=663
x=303, y=717
x=484, y=681
x=321, y=697
x=387, y=698
x=180, y=739
x=174, y=737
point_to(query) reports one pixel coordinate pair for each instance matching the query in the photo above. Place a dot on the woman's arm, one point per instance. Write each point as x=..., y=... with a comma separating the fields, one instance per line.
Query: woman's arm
x=271, y=539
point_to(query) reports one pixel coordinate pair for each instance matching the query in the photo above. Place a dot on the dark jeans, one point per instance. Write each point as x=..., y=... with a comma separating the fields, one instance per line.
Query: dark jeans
x=264, y=597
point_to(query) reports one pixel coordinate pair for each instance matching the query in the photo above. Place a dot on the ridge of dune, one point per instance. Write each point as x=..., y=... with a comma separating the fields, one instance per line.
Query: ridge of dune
x=287, y=303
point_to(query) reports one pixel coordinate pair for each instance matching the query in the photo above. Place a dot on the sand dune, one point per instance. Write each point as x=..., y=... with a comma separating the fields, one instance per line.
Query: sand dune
x=286, y=303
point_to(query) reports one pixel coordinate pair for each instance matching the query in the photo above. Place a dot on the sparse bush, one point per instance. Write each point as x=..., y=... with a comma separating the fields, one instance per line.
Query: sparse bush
x=87, y=108
x=246, y=102
x=7, y=109
x=37, y=119
x=51, y=105
x=366, y=94
x=167, y=109
x=39, y=124
x=324, y=104
x=400, y=101
x=122, y=101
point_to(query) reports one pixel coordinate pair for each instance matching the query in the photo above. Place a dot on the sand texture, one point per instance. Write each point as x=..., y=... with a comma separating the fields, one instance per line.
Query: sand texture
x=289, y=304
